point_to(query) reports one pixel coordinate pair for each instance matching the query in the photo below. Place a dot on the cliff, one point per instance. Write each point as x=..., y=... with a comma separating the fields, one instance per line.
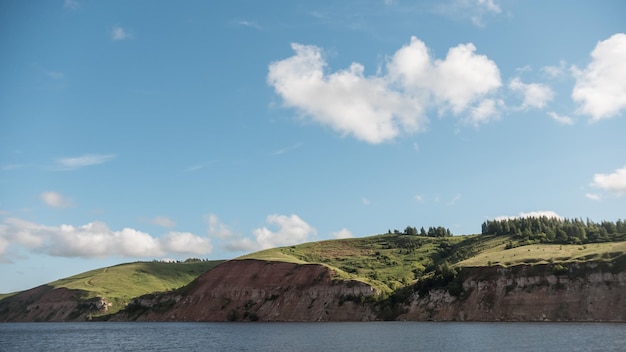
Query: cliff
x=259, y=290
x=251, y=290
x=47, y=303
x=575, y=292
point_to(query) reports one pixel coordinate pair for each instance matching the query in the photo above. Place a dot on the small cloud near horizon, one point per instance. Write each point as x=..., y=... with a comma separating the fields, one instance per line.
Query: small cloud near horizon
x=55, y=200
x=73, y=163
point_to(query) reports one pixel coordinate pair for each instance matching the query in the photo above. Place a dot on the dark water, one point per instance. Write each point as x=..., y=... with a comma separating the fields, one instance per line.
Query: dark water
x=357, y=337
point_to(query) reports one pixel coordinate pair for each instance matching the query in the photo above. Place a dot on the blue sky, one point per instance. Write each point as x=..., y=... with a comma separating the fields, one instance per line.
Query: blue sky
x=140, y=130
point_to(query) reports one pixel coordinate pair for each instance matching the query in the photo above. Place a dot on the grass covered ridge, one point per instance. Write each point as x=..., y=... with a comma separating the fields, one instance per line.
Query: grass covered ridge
x=120, y=283
x=388, y=261
x=393, y=261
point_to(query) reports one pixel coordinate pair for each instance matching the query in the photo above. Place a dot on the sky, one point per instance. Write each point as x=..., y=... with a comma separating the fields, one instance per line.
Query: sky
x=143, y=130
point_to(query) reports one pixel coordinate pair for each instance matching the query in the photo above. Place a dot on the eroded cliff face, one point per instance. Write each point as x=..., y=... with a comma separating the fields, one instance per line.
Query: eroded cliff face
x=46, y=303
x=258, y=290
x=243, y=290
x=579, y=292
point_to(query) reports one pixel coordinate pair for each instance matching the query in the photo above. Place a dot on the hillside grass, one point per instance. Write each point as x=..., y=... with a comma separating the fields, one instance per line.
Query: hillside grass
x=388, y=261
x=392, y=261
x=547, y=253
x=121, y=283
x=5, y=295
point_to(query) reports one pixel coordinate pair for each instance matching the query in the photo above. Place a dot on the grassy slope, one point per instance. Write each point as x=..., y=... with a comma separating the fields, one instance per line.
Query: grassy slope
x=5, y=295
x=547, y=253
x=120, y=283
x=386, y=261
x=392, y=261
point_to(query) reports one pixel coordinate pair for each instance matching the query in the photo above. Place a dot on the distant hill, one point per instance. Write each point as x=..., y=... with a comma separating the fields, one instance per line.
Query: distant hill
x=392, y=261
x=404, y=277
x=99, y=292
x=517, y=269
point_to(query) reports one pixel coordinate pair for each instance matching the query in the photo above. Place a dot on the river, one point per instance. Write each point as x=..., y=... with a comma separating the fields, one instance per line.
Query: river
x=286, y=337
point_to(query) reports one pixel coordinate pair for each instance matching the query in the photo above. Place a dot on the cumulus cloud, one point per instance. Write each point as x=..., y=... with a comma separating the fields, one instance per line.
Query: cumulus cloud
x=347, y=101
x=73, y=163
x=486, y=111
x=600, y=88
x=185, y=243
x=463, y=77
x=536, y=95
x=95, y=239
x=217, y=228
x=55, y=200
x=532, y=214
x=288, y=230
x=118, y=33
x=378, y=108
x=343, y=233
x=614, y=182
x=230, y=240
x=565, y=120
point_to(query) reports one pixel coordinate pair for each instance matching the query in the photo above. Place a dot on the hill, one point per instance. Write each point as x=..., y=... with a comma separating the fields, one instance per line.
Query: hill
x=387, y=262
x=98, y=292
x=528, y=269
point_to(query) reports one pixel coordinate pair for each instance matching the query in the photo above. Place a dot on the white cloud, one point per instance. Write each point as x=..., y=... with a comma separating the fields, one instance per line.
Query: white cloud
x=55, y=200
x=119, y=33
x=464, y=77
x=71, y=4
x=95, y=239
x=82, y=161
x=614, y=182
x=185, y=243
x=380, y=107
x=532, y=214
x=536, y=95
x=163, y=221
x=593, y=196
x=556, y=71
x=565, y=120
x=486, y=111
x=343, y=233
x=490, y=5
x=217, y=228
x=242, y=244
x=231, y=240
x=473, y=10
x=601, y=87
x=290, y=230
x=347, y=101
x=366, y=201
x=419, y=198
x=250, y=24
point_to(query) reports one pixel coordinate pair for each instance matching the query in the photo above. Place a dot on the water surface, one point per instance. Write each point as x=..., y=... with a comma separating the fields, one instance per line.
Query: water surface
x=358, y=337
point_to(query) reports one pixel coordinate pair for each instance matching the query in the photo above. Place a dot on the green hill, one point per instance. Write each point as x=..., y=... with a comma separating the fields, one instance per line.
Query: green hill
x=388, y=261
x=120, y=283
x=392, y=261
